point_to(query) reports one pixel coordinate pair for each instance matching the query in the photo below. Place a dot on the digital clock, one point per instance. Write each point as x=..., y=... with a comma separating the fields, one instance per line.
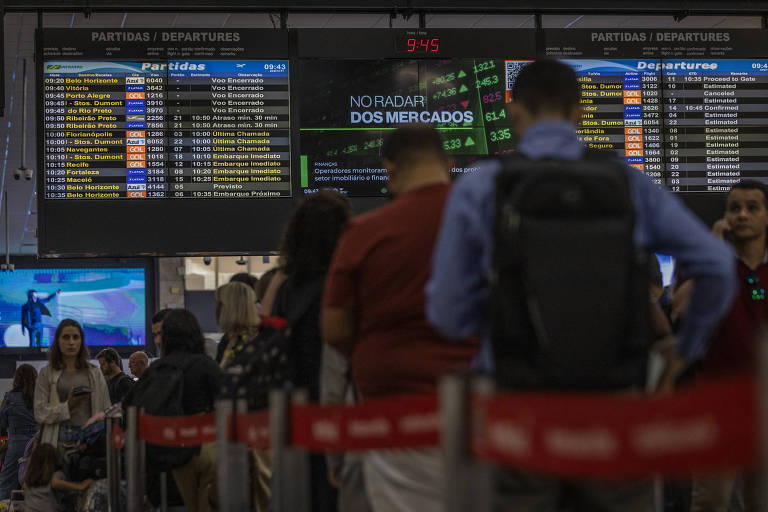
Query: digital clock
x=418, y=45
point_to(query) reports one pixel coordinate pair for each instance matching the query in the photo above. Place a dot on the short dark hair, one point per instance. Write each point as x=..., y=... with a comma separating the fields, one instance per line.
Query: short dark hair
x=56, y=358
x=110, y=355
x=158, y=317
x=29, y=293
x=547, y=85
x=311, y=235
x=245, y=278
x=181, y=333
x=408, y=143
x=751, y=185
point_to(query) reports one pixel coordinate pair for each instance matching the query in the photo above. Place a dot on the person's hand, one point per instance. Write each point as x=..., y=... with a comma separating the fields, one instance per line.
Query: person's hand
x=23, y=331
x=720, y=227
x=58, y=292
x=85, y=484
x=73, y=402
x=334, y=475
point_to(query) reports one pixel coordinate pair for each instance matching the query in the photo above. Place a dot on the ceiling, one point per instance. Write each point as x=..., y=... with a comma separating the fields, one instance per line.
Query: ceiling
x=19, y=46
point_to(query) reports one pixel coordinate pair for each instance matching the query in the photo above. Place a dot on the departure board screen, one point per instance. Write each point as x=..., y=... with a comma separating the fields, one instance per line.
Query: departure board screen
x=182, y=128
x=699, y=122
x=350, y=103
x=621, y=104
x=140, y=118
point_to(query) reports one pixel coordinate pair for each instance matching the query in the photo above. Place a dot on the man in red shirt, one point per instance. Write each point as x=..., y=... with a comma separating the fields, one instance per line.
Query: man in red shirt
x=734, y=347
x=374, y=310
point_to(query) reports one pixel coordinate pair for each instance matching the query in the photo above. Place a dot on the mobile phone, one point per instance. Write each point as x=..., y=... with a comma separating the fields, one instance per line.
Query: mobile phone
x=81, y=390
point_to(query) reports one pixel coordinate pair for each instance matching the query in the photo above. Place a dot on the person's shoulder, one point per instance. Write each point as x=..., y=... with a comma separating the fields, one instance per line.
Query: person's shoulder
x=479, y=181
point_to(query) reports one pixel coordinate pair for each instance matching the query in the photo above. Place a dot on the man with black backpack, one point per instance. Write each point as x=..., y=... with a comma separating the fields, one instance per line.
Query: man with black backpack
x=544, y=254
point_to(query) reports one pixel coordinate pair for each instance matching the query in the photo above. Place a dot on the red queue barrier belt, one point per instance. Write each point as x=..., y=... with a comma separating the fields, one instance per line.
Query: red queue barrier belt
x=403, y=422
x=253, y=429
x=178, y=430
x=712, y=426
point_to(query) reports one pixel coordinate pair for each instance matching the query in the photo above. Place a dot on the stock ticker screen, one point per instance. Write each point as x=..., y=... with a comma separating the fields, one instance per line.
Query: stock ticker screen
x=351, y=101
x=131, y=120
x=340, y=146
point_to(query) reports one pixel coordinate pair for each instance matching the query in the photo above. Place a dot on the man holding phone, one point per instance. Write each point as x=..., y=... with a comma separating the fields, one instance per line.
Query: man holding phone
x=733, y=349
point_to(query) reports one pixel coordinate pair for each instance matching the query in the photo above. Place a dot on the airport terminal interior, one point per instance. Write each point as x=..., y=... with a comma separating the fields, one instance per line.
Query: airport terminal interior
x=384, y=256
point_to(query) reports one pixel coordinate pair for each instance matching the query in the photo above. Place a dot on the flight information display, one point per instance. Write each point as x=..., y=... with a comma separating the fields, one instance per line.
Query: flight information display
x=349, y=104
x=174, y=129
x=695, y=103
x=139, y=118
x=621, y=103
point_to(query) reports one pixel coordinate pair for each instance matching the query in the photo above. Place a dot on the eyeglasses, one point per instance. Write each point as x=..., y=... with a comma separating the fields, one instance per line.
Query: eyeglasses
x=758, y=292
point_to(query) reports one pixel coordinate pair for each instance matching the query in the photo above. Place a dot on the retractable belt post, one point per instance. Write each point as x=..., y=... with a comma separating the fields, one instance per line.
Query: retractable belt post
x=132, y=456
x=113, y=469
x=233, y=489
x=290, y=464
x=467, y=482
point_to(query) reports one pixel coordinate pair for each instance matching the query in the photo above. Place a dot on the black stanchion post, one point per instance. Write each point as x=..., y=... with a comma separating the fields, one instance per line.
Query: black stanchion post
x=241, y=459
x=113, y=469
x=279, y=406
x=142, y=462
x=135, y=491
x=164, y=492
x=482, y=477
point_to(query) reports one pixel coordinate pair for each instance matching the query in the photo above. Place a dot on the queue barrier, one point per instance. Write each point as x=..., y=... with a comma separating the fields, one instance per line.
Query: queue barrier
x=711, y=426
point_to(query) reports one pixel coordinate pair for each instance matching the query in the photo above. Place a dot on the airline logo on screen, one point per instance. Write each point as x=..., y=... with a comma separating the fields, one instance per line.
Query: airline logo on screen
x=400, y=116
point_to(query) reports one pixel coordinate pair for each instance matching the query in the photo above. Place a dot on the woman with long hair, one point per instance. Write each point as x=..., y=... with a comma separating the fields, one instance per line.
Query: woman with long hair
x=16, y=414
x=238, y=317
x=184, y=347
x=69, y=389
x=308, y=244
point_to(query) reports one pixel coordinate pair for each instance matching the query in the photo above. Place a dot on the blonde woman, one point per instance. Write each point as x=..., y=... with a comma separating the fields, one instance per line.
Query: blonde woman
x=238, y=317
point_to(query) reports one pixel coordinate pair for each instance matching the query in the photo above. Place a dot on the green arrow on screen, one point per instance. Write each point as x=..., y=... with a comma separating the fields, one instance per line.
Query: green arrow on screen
x=462, y=74
x=463, y=88
x=469, y=142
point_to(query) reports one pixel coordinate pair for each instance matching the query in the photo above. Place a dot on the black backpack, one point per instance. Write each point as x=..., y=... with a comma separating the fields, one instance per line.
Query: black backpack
x=159, y=392
x=569, y=295
x=266, y=363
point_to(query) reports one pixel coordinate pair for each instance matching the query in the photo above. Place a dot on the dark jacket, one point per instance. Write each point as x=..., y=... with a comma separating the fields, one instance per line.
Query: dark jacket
x=201, y=381
x=119, y=386
x=306, y=343
x=16, y=416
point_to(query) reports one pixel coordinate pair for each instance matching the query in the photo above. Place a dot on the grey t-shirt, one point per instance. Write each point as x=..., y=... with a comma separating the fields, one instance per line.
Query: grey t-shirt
x=41, y=499
x=73, y=379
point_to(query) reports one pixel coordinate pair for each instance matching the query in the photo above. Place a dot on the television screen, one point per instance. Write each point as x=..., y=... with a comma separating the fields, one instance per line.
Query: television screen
x=341, y=146
x=110, y=304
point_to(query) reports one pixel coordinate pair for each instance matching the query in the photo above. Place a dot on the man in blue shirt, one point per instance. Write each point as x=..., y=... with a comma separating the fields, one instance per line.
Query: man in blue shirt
x=545, y=110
